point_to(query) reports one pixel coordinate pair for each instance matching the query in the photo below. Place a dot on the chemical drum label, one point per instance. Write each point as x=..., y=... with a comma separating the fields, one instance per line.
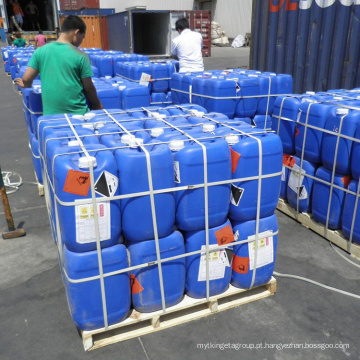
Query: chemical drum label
x=177, y=172
x=85, y=222
x=295, y=182
x=77, y=182
x=106, y=184
x=240, y=264
x=136, y=287
x=236, y=194
x=265, y=249
x=218, y=261
x=235, y=157
x=145, y=79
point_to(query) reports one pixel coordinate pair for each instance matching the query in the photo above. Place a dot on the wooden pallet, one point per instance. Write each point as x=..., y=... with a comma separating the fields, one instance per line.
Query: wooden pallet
x=334, y=236
x=188, y=309
x=40, y=186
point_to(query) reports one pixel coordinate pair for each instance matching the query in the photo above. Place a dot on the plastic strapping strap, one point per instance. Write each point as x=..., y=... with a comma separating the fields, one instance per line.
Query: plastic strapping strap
x=280, y=118
x=302, y=159
x=259, y=193
x=137, y=81
x=333, y=175
x=160, y=102
x=153, y=211
x=228, y=97
x=96, y=219
x=206, y=202
x=268, y=101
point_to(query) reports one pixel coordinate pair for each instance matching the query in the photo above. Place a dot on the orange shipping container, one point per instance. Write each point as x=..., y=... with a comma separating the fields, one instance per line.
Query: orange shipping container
x=96, y=32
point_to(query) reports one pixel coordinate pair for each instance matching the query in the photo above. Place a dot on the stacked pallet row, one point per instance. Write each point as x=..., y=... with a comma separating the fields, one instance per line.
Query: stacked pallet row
x=321, y=139
x=236, y=93
x=136, y=68
x=154, y=75
x=13, y=66
x=158, y=216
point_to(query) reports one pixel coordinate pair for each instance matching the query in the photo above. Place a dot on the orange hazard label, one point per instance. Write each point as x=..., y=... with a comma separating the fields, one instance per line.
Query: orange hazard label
x=297, y=132
x=224, y=235
x=77, y=182
x=289, y=160
x=135, y=285
x=235, y=157
x=240, y=264
x=345, y=180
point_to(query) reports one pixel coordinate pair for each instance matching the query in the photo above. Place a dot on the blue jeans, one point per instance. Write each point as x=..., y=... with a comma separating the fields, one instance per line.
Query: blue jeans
x=19, y=19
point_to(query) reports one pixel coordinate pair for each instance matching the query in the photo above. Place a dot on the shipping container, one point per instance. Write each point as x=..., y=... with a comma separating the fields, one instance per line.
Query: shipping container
x=79, y=4
x=96, y=32
x=315, y=41
x=47, y=20
x=151, y=32
x=91, y=12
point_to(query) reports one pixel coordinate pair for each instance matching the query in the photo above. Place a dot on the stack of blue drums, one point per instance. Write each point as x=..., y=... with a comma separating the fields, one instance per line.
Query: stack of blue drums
x=235, y=93
x=155, y=75
x=123, y=168
x=172, y=191
x=320, y=135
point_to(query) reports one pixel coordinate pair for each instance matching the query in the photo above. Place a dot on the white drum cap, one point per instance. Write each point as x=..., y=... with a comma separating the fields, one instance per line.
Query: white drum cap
x=73, y=143
x=125, y=139
x=341, y=111
x=134, y=142
x=155, y=132
x=85, y=162
x=176, y=145
x=207, y=128
x=232, y=139
x=89, y=116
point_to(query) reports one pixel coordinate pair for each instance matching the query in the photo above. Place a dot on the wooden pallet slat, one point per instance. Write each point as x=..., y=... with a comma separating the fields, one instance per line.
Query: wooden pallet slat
x=308, y=221
x=188, y=309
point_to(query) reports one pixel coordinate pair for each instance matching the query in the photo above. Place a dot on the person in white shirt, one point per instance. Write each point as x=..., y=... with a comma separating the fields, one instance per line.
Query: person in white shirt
x=187, y=47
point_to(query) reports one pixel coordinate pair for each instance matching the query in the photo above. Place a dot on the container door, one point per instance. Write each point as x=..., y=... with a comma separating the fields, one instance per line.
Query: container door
x=119, y=32
x=151, y=32
x=175, y=16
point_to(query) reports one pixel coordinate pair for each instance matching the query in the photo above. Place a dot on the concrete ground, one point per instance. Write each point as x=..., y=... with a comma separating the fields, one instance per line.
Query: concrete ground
x=35, y=322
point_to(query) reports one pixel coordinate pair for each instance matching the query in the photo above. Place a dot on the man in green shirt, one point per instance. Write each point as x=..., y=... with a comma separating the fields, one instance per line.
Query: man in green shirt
x=65, y=72
x=19, y=41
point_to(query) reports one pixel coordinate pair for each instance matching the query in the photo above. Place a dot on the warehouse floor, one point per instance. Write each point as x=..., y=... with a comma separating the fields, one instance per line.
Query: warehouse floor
x=36, y=324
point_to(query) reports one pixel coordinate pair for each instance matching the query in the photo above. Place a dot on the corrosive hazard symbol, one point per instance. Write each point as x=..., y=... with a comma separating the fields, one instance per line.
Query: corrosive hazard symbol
x=224, y=235
x=77, y=182
x=106, y=184
x=236, y=194
x=240, y=264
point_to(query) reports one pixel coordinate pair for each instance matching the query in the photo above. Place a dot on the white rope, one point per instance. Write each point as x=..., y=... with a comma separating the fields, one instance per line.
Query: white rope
x=316, y=283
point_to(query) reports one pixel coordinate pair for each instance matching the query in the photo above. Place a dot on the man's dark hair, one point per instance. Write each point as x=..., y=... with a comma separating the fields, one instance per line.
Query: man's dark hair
x=73, y=22
x=181, y=24
x=40, y=32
